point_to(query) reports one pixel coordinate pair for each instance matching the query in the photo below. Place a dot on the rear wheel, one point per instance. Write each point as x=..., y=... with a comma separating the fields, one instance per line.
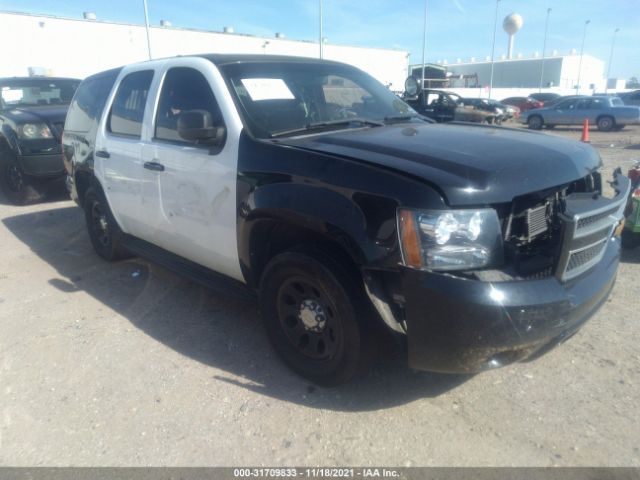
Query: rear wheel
x=104, y=232
x=606, y=124
x=535, y=122
x=316, y=317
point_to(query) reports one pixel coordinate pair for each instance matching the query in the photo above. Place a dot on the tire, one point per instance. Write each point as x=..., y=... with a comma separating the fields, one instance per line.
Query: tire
x=315, y=315
x=535, y=122
x=104, y=232
x=14, y=183
x=606, y=124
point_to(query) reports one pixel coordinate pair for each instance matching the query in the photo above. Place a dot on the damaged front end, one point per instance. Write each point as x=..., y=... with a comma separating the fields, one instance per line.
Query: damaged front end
x=561, y=251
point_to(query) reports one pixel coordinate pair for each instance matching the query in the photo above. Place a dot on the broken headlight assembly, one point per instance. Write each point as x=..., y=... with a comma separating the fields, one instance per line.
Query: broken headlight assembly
x=450, y=239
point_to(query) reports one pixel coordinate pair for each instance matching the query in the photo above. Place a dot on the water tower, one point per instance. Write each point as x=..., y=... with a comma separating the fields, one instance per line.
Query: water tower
x=511, y=24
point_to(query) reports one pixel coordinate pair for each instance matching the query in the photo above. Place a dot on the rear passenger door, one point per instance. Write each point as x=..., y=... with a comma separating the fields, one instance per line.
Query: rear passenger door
x=118, y=153
x=189, y=193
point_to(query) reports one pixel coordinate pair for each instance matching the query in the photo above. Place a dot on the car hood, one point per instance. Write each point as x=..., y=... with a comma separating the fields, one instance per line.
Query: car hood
x=46, y=114
x=469, y=164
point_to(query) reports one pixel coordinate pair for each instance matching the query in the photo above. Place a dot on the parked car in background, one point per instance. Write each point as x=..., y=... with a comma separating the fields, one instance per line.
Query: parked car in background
x=608, y=113
x=308, y=184
x=523, y=103
x=630, y=98
x=545, y=97
x=502, y=111
x=32, y=113
x=444, y=106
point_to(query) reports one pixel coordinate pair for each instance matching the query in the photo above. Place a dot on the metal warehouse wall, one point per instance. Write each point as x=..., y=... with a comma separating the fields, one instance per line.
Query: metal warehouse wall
x=77, y=48
x=559, y=72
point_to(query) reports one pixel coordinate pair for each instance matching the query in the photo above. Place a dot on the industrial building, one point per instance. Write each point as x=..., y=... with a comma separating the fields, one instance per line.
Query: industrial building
x=559, y=71
x=43, y=44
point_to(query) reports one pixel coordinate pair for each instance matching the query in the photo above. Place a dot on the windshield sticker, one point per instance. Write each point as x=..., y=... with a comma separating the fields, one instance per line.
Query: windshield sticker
x=267, y=89
x=11, y=95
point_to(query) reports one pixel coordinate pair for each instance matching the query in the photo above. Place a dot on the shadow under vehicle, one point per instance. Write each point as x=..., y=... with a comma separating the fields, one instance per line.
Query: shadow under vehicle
x=32, y=114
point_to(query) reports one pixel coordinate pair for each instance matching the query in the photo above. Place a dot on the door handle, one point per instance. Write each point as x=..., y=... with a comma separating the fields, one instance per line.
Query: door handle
x=155, y=166
x=103, y=154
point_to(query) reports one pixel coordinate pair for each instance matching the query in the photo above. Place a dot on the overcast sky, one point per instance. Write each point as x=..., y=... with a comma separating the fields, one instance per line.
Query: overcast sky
x=455, y=28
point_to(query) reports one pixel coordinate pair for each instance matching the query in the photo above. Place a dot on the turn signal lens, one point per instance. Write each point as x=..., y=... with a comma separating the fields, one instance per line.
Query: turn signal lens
x=410, y=240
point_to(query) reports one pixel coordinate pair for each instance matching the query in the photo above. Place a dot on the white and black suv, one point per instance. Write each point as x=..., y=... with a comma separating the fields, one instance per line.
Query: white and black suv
x=309, y=183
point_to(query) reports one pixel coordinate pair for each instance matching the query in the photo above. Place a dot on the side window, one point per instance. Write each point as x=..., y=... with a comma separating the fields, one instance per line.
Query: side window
x=88, y=102
x=183, y=89
x=598, y=104
x=584, y=104
x=567, y=105
x=127, y=110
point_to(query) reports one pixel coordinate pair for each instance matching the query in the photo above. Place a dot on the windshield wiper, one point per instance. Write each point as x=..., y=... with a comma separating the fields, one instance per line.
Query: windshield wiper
x=356, y=121
x=402, y=118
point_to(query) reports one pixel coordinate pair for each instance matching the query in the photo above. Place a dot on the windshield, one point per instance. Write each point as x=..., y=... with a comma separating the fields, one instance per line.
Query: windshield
x=280, y=98
x=28, y=92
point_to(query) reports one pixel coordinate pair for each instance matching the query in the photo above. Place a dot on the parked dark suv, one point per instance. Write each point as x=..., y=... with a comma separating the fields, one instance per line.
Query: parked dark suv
x=32, y=114
x=312, y=186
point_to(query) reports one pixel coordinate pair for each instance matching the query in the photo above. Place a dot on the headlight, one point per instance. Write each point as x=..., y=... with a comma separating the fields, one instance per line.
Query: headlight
x=450, y=239
x=32, y=131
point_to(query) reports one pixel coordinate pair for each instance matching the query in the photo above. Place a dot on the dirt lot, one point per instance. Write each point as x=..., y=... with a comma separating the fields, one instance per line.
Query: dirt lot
x=129, y=364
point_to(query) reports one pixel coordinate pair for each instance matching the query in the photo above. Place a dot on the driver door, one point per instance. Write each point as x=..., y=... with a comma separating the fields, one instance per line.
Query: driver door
x=189, y=188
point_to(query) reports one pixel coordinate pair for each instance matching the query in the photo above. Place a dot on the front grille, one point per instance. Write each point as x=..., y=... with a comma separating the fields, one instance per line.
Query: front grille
x=587, y=255
x=589, y=221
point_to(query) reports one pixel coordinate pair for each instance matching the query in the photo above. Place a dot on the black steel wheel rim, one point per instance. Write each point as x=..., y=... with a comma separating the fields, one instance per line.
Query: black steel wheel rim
x=100, y=225
x=309, y=318
x=14, y=178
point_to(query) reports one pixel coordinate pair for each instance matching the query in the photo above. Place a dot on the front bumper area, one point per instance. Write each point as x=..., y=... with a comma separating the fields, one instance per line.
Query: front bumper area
x=457, y=325
x=49, y=165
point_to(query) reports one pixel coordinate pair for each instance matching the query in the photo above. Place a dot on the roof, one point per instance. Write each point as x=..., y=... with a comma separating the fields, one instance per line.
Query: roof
x=225, y=59
x=9, y=79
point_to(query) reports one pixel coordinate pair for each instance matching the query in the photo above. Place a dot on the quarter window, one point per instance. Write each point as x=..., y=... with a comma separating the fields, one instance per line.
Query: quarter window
x=127, y=110
x=183, y=89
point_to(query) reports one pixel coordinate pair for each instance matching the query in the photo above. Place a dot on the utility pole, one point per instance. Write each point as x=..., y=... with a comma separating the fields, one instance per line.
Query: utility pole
x=146, y=24
x=493, y=47
x=424, y=42
x=320, y=39
x=544, y=49
x=584, y=36
x=613, y=42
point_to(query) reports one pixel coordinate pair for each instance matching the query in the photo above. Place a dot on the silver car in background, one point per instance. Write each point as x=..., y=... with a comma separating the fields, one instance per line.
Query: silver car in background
x=608, y=113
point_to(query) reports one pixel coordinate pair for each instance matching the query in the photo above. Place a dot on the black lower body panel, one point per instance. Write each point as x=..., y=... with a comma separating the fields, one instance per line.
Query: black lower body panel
x=42, y=165
x=458, y=325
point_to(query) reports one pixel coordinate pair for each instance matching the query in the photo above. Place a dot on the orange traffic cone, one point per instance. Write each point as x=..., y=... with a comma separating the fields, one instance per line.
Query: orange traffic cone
x=585, y=131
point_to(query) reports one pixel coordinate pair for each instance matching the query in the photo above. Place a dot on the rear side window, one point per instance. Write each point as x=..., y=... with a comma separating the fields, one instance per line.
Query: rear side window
x=88, y=103
x=127, y=110
x=183, y=89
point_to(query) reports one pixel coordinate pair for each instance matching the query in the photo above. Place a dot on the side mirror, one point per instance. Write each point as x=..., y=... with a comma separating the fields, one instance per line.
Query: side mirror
x=412, y=87
x=197, y=126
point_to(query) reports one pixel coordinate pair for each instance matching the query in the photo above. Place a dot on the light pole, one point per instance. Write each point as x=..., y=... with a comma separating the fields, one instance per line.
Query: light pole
x=493, y=47
x=146, y=24
x=544, y=48
x=584, y=36
x=320, y=37
x=424, y=42
x=613, y=42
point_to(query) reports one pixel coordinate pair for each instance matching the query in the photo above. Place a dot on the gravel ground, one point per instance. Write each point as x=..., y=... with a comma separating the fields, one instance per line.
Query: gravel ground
x=129, y=364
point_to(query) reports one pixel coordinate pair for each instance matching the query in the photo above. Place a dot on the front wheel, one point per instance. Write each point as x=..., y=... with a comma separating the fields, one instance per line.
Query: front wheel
x=316, y=317
x=535, y=122
x=13, y=182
